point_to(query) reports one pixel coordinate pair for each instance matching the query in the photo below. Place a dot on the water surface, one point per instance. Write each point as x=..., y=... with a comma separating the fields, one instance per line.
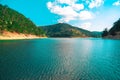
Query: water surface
x=60, y=59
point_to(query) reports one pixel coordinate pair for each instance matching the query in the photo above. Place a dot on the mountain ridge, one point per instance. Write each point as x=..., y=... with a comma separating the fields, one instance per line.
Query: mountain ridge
x=66, y=30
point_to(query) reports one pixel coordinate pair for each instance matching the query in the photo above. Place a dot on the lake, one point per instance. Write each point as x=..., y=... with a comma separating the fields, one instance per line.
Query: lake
x=60, y=59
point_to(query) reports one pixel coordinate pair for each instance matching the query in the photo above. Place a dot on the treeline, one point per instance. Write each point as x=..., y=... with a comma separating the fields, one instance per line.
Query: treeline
x=114, y=31
x=62, y=30
x=66, y=30
x=13, y=21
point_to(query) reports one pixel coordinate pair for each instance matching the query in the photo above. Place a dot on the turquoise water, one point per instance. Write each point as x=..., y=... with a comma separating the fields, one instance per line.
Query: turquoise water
x=60, y=59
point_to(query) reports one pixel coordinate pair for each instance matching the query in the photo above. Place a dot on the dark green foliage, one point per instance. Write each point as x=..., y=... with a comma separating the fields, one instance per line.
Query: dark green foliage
x=66, y=30
x=115, y=28
x=114, y=32
x=13, y=21
x=61, y=30
x=105, y=32
x=96, y=34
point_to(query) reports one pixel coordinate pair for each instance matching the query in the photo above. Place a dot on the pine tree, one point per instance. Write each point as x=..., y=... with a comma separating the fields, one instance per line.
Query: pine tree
x=105, y=32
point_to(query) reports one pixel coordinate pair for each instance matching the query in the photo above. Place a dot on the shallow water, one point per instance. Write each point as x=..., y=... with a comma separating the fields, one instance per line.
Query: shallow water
x=60, y=59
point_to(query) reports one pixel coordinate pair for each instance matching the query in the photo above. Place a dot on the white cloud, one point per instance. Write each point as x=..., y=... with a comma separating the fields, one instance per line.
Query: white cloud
x=66, y=19
x=77, y=7
x=69, y=2
x=96, y=3
x=49, y=5
x=67, y=13
x=117, y=3
x=72, y=3
x=73, y=11
x=86, y=1
x=85, y=15
x=86, y=25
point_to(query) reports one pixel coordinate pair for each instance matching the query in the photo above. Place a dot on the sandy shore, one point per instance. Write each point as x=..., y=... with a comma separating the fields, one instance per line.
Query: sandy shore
x=13, y=35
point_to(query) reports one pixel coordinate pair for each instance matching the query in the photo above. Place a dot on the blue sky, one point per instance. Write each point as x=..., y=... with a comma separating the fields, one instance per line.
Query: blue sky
x=93, y=15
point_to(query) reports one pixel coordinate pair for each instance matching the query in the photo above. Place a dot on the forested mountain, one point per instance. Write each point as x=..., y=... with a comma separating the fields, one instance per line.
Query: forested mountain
x=114, y=32
x=13, y=21
x=116, y=28
x=66, y=30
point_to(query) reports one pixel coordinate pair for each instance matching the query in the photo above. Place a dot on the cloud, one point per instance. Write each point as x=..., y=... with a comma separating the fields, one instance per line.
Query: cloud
x=63, y=11
x=72, y=3
x=69, y=2
x=86, y=25
x=86, y=1
x=77, y=7
x=67, y=13
x=49, y=5
x=66, y=19
x=96, y=3
x=85, y=15
x=117, y=3
x=73, y=11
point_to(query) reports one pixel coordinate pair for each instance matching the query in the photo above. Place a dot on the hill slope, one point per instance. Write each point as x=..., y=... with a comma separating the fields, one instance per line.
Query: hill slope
x=11, y=20
x=65, y=30
x=114, y=32
x=115, y=29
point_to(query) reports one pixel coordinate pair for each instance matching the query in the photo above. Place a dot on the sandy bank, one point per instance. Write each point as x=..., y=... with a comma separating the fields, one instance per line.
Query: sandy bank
x=13, y=35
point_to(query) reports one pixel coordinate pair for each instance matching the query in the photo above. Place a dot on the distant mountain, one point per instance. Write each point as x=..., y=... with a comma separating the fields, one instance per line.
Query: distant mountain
x=66, y=30
x=114, y=32
x=96, y=34
x=13, y=21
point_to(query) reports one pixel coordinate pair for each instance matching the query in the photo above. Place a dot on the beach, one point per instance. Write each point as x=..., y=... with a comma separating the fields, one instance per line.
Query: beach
x=6, y=35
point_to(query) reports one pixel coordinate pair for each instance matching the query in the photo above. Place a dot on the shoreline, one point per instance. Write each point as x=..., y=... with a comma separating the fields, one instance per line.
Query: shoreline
x=19, y=38
x=6, y=35
x=112, y=37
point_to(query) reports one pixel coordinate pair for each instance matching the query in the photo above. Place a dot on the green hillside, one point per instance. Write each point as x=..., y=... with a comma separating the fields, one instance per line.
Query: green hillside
x=66, y=30
x=13, y=21
x=116, y=28
x=114, y=32
x=96, y=34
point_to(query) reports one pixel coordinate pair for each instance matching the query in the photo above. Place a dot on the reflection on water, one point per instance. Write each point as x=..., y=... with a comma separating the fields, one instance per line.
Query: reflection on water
x=60, y=59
